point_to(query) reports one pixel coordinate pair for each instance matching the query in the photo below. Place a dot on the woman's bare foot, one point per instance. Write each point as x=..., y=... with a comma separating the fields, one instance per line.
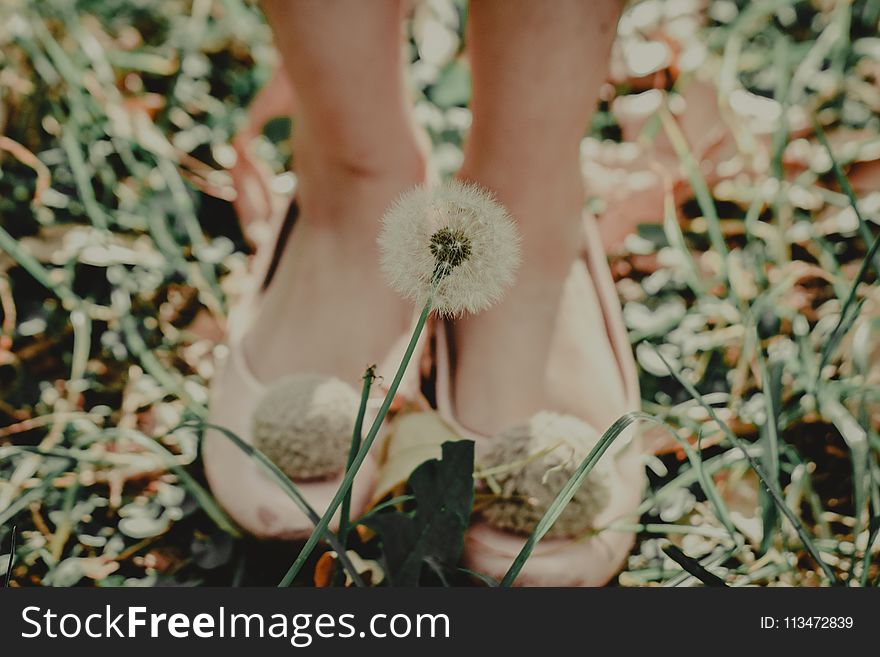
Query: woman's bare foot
x=328, y=309
x=545, y=346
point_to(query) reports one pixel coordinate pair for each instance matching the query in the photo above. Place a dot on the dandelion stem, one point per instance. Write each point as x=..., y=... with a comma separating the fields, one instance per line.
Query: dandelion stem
x=355, y=465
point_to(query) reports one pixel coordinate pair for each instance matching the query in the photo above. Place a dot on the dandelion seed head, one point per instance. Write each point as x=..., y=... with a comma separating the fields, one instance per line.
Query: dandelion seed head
x=303, y=424
x=450, y=248
x=536, y=459
x=456, y=237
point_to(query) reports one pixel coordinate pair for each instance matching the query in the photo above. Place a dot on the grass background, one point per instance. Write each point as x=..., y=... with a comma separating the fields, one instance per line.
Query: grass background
x=749, y=291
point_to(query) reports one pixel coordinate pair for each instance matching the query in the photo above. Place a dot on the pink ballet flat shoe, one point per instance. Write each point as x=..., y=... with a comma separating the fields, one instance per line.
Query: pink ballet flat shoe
x=590, y=554
x=250, y=496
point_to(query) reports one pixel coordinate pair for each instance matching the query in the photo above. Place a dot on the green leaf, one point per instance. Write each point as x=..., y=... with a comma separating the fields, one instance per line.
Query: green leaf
x=434, y=532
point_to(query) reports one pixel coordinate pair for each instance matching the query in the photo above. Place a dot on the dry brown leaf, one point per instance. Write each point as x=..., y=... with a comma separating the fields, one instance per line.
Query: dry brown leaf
x=416, y=437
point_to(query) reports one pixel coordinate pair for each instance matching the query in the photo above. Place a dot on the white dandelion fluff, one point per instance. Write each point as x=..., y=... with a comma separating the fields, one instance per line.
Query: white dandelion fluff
x=532, y=463
x=303, y=423
x=456, y=237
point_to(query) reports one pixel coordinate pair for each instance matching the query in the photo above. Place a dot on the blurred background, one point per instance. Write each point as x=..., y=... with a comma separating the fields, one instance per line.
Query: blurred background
x=734, y=162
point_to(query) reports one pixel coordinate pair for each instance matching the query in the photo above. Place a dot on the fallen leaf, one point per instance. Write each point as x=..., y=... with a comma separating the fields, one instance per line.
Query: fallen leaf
x=416, y=437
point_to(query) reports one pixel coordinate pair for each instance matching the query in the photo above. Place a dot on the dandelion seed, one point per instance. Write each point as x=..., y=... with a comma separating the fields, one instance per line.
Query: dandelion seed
x=542, y=454
x=303, y=423
x=455, y=242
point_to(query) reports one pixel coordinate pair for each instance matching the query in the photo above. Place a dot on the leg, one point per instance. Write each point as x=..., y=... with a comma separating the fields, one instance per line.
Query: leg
x=537, y=68
x=343, y=58
x=355, y=149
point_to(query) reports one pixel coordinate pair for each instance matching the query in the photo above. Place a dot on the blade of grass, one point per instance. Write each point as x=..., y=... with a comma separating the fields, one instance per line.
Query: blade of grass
x=801, y=483
x=698, y=466
x=187, y=215
x=782, y=210
x=759, y=470
x=11, y=561
x=847, y=189
x=345, y=513
x=751, y=17
x=771, y=382
x=866, y=559
x=356, y=435
x=70, y=141
x=64, y=528
x=693, y=566
x=709, y=488
x=699, y=186
x=394, y=501
x=847, y=317
x=293, y=492
x=676, y=239
x=204, y=499
x=831, y=42
x=751, y=221
x=568, y=491
x=135, y=343
x=828, y=261
x=32, y=494
x=491, y=582
x=687, y=478
x=715, y=558
x=766, y=574
x=856, y=439
x=35, y=268
x=661, y=528
x=782, y=59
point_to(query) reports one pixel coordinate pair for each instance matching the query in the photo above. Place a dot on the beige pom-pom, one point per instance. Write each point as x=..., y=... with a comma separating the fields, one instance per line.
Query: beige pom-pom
x=304, y=423
x=533, y=461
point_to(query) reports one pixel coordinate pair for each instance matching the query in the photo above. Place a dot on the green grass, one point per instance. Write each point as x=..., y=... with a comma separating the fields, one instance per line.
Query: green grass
x=752, y=303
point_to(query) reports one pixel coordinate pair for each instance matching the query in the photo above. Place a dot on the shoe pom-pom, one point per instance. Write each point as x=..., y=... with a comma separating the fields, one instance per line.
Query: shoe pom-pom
x=531, y=462
x=304, y=423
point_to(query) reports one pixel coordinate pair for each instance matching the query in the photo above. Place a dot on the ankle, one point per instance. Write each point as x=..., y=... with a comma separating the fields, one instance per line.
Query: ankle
x=547, y=208
x=401, y=156
x=336, y=192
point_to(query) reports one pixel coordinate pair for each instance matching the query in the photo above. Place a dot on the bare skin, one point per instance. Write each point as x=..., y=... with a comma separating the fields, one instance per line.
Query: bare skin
x=536, y=77
x=355, y=150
